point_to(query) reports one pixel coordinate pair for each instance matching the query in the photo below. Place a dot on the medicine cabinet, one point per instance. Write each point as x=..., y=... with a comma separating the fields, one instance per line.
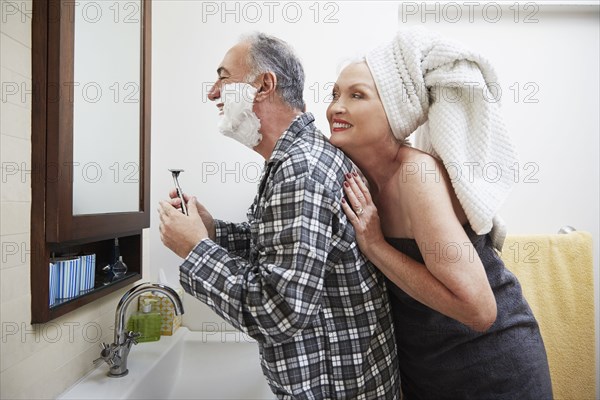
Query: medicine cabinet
x=90, y=142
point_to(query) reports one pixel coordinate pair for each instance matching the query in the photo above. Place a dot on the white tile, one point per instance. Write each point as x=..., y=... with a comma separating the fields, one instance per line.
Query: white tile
x=15, y=184
x=14, y=23
x=16, y=311
x=15, y=218
x=108, y=304
x=9, y=8
x=78, y=336
x=64, y=342
x=16, y=250
x=16, y=120
x=12, y=9
x=26, y=7
x=105, y=333
x=20, y=340
x=60, y=341
x=89, y=312
x=15, y=56
x=57, y=356
x=69, y=373
x=25, y=379
x=14, y=282
x=15, y=151
x=16, y=89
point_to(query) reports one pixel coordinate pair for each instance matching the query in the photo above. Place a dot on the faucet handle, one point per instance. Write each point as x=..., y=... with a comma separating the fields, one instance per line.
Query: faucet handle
x=107, y=354
x=132, y=336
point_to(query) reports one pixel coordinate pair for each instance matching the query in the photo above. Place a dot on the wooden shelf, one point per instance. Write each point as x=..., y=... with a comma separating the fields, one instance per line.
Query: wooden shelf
x=130, y=249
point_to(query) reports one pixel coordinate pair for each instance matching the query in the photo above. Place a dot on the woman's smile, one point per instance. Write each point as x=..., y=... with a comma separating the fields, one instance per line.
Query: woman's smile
x=339, y=125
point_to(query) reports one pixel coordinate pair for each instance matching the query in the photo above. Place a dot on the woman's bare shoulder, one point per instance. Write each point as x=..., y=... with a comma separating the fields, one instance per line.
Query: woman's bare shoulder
x=418, y=167
x=408, y=153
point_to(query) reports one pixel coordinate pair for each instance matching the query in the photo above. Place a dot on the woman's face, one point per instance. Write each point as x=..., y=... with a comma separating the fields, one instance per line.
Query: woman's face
x=356, y=115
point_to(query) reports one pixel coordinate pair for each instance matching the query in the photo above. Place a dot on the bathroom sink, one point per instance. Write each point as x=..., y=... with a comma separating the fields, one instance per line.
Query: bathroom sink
x=187, y=365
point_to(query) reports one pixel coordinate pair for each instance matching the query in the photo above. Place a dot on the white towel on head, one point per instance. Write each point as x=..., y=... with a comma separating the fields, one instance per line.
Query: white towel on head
x=421, y=76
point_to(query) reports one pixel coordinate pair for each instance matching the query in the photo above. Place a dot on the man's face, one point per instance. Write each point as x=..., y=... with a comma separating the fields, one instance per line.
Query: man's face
x=232, y=69
x=236, y=98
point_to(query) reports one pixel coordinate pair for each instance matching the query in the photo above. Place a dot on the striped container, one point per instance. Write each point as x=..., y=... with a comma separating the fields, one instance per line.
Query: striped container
x=70, y=277
x=88, y=272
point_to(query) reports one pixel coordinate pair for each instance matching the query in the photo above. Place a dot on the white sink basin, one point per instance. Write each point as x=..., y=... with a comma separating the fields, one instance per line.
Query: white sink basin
x=187, y=365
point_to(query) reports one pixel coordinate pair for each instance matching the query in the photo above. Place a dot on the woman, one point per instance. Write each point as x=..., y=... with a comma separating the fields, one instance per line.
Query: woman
x=463, y=328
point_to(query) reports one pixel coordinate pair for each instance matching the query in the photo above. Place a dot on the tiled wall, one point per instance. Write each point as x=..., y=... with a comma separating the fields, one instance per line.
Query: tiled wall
x=43, y=360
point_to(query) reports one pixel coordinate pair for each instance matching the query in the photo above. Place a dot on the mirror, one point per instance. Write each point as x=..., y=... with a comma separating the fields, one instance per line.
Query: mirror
x=96, y=151
x=106, y=106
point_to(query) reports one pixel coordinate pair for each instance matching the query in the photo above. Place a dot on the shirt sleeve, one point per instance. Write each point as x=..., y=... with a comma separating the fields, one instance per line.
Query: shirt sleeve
x=235, y=238
x=278, y=291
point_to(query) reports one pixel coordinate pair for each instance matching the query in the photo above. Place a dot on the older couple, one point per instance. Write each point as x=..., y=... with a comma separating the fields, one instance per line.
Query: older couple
x=381, y=289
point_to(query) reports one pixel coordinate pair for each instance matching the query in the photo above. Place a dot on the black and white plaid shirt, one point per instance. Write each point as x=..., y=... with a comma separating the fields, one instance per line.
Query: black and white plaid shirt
x=292, y=277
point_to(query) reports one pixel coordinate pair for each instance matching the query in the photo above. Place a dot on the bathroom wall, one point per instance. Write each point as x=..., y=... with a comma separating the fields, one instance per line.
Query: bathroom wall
x=546, y=56
x=41, y=361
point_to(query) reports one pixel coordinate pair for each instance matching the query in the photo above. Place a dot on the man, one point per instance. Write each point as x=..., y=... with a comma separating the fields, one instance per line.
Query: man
x=291, y=277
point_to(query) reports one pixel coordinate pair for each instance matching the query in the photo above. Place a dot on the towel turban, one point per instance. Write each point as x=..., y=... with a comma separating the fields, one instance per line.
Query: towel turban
x=423, y=77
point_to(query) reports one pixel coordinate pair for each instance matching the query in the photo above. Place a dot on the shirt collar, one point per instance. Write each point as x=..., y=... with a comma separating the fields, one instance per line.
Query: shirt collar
x=288, y=137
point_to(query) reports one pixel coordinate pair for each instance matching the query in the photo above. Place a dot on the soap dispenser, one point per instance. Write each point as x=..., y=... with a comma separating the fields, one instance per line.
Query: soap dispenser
x=146, y=322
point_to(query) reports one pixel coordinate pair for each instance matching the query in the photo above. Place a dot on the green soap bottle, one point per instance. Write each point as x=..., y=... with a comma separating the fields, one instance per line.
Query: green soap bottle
x=146, y=322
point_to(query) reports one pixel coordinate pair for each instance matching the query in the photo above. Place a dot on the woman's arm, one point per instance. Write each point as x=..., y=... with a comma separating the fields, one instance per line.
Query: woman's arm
x=454, y=282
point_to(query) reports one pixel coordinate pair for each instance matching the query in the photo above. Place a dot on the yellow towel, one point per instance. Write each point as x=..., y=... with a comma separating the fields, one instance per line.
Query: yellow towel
x=556, y=273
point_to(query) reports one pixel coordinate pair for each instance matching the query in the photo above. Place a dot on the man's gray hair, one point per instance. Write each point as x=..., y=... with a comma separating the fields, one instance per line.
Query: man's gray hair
x=270, y=54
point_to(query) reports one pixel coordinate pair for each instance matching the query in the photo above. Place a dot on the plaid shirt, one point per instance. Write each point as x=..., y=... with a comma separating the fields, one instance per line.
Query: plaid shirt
x=292, y=277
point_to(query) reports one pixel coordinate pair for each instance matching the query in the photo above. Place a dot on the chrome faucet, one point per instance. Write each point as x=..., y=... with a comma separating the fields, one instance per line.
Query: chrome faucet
x=115, y=354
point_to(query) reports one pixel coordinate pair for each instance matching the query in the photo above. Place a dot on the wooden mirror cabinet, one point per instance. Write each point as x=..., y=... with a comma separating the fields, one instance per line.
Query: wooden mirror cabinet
x=56, y=230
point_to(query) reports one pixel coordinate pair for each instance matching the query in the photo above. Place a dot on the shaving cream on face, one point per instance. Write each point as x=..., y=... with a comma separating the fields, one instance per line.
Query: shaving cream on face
x=238, y=121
